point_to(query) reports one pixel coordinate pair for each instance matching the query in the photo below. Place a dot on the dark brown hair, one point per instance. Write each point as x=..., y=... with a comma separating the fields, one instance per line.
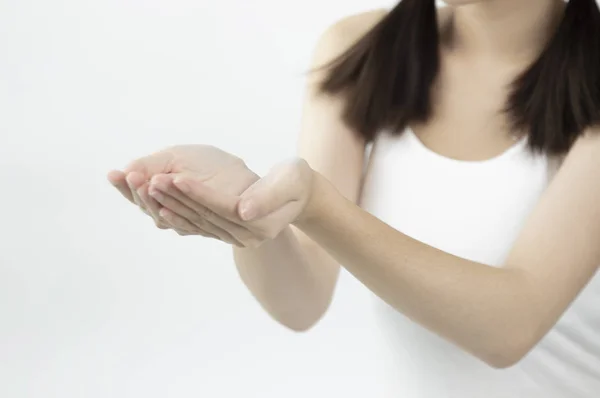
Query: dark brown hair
x=386, y=77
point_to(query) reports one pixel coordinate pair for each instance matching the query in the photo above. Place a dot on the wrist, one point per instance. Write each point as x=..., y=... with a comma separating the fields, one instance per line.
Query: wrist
x=316, y=201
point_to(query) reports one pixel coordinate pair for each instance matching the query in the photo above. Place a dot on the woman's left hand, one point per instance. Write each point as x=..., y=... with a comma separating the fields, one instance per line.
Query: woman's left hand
x=259, y=214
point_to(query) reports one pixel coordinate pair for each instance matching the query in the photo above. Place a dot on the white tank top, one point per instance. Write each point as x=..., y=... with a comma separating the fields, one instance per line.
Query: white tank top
x=475, y=210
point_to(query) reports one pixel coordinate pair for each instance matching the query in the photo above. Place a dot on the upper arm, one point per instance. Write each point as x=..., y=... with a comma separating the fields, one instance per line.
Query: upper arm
x=558, y=249
x=326, y=142
x=328, y=145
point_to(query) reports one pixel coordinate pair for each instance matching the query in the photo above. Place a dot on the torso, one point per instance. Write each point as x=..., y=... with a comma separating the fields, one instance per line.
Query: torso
x=464, y=183
x=474, y=210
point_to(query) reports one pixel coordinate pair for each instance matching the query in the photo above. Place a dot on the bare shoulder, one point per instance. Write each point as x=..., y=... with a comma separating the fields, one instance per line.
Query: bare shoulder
x=355, y=26
x=586, y=149
x=345, y=32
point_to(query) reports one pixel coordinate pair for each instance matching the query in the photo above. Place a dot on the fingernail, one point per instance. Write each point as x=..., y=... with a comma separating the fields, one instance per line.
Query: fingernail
x=155, y=194
x=164, y=213
x=182, y=185
x=247, y=211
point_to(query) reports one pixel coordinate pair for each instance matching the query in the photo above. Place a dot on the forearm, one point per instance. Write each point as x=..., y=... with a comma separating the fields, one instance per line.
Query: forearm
x=481, y=308
x=291, y=278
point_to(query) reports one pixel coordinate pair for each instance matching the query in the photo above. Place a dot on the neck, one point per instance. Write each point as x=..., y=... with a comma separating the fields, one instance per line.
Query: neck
x=507, y=29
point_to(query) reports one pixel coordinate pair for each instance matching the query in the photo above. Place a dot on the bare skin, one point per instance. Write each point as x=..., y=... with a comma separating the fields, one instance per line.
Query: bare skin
x=291, y=276
x=293, y=272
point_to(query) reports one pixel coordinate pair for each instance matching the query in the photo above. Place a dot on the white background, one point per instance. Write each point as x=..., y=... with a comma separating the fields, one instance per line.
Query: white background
x=94, y=300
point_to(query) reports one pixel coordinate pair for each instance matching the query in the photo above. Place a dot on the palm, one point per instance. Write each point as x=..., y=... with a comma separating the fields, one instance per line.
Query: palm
x=218, y=169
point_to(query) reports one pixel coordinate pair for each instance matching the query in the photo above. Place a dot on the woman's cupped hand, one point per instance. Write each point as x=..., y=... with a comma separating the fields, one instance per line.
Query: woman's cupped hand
x=202, y=190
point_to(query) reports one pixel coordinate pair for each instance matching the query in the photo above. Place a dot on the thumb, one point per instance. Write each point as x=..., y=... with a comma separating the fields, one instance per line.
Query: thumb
x=268, y=194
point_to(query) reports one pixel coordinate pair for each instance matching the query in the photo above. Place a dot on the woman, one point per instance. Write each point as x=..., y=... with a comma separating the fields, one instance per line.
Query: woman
x=480, y=218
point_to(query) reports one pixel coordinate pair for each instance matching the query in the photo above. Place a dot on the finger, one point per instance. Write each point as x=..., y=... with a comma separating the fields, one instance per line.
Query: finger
x=222, y=204
x=118, y=180
x=169, y=196
x=159, y=162
x=135, y=181
x=271, y=193
x=226, y=230
x=163, y=183
x=167, y=201
x=183, y=226
x=149, y=203
x=208, y=230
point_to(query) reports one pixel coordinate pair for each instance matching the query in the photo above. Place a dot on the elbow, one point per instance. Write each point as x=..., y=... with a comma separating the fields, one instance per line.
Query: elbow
x=301, y=319
x=504, y=359
x=299, y=327
x=517, y=331
x=304, y=317
x=509, y=350
x=300, y=323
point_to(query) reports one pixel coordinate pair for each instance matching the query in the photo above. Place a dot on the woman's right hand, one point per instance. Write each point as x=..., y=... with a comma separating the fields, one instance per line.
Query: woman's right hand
x=217, y=169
